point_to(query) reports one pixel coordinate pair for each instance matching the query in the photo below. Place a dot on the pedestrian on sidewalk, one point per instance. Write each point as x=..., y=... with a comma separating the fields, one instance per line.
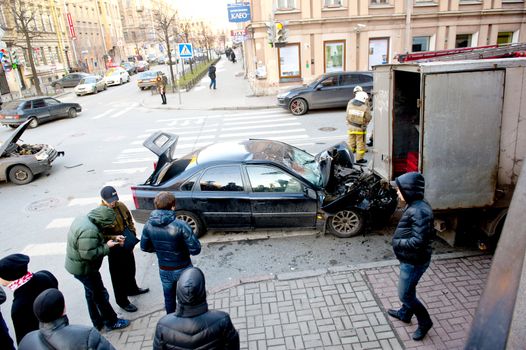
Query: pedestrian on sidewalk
x=173, y=241
x=84, y=253
x=161, y=81
x=121, y=259
x=212, y=75
x=233, y=56
x=193, y=325
x=412, y=246
x=6, y=342
x=55, y=331
x=26, y=287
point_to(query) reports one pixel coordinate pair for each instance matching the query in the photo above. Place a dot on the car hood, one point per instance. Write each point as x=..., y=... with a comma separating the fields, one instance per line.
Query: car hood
x=13, y=138
x=327, y=159
x=295, y=91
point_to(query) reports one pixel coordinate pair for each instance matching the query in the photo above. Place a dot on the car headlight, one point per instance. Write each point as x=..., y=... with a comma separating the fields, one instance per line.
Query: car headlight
x=41, y=156
x=283, y=95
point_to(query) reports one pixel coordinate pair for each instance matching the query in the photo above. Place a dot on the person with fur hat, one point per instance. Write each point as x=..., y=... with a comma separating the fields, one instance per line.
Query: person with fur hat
x=85, y=250
x=193, y=325
x=5, y=339
x=26, y=286
x=55, y=331
x=412, y=246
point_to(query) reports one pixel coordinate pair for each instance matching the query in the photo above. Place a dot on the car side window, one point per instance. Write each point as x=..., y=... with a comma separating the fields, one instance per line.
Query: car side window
x=26, y=105
x=39, y=104
x=366, y=78
x=51, y=102
x=270, y=179
x=189, y=184
x=350, y=79
x=222, y=178
x=330, y=81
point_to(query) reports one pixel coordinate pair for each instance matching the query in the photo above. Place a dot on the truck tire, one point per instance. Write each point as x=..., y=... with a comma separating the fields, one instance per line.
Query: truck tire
x=346, y=223
x=193, y=221
x=20, y=175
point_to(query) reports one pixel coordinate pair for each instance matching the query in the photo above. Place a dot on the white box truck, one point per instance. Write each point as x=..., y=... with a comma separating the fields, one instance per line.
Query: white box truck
x=463, y=125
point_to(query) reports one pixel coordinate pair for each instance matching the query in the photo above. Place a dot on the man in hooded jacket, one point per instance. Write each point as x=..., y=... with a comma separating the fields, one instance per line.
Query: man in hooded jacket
x=193, y=325
x=84, y=253
x=55, y=331
x=412, y=246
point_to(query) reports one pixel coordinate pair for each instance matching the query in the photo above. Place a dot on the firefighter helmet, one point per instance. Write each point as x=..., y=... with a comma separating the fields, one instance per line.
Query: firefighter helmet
x=361, y=96
x=357, y=88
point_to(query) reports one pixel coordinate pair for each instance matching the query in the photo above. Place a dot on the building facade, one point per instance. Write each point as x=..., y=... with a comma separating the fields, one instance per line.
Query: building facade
x=331, y=35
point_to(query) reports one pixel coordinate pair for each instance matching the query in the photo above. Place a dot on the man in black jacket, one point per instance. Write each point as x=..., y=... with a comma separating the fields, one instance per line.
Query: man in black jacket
x=26, y=286
x=193, y=326
x=412, y=246
x=56, y=332
x=5, y=339
x=212, y=76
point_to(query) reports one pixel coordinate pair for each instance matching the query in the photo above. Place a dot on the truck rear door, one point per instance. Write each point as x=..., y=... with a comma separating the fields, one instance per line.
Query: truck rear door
x=461, y=119
x=382, y=118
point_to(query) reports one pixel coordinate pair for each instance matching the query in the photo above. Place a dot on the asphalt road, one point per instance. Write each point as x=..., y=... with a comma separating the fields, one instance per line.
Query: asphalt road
x=103, y=145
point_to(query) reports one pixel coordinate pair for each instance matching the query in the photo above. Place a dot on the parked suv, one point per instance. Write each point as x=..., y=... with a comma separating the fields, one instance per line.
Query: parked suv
x=70, y=80
x=328, y=91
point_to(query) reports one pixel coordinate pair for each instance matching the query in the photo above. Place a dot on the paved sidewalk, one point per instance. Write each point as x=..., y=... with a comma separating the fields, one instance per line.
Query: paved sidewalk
x=233, y=92
x=340, y=308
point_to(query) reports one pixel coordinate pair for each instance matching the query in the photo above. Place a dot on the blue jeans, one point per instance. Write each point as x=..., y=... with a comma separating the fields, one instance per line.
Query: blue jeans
x=169, y=281
x=212, y=83
x=409, y=277
x=99, y=307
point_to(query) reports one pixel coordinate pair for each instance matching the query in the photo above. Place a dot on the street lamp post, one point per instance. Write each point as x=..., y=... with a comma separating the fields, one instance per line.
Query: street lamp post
x=67, y=58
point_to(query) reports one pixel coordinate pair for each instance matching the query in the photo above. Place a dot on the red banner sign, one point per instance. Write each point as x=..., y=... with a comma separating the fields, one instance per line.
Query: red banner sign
x=71, y=27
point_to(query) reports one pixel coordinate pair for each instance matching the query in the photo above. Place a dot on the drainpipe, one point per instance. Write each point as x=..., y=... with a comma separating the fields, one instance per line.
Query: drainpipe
x=408, y=43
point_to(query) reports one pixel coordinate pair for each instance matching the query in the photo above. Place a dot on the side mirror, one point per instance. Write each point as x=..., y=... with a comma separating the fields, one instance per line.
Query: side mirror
x=309, y=192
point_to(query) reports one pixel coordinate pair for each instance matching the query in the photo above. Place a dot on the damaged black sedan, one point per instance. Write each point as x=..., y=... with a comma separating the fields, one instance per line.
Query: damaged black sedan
x=264, y=184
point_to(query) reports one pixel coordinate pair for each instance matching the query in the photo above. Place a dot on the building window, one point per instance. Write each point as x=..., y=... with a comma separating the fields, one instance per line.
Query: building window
x=43, y=55
x=286, y=4
x=420, y=43
x=379, y=2
x=332, y=3
x=59, y=57
x=334, y=56
x=505, y=38
x=463, y=40
x=51, y=23
x=289, y=61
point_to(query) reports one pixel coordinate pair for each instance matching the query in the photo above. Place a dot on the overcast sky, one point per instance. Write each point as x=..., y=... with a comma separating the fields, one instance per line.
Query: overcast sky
x=213, y=11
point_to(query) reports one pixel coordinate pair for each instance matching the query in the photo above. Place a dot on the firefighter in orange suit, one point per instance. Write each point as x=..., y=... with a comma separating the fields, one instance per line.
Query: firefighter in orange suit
x=358, y=116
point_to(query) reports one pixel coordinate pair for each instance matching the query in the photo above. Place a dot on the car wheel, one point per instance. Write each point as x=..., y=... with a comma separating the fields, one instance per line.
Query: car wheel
x=13, y=126
x=20, y=175
x=72, y=113
x=193, y=221
x=120, y=83
x=298, y=106
x=128, y=79
x=96, y=90
x=33, y=123
x=78, y=95
x=105, y=87
x=141, y=87
x=346, y=223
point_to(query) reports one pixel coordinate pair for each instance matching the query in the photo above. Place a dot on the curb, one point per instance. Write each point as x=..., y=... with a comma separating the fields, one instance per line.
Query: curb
x=237, y=108
x=62, y=94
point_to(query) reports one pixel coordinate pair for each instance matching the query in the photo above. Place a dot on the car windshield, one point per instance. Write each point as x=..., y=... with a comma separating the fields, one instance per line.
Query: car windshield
x=317, y=80
x=305, y=165
x=112, y=72
x=11, y=105
x=90, y=80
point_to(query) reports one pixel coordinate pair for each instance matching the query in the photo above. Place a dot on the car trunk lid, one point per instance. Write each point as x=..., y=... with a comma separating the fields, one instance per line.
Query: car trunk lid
x=163, y=145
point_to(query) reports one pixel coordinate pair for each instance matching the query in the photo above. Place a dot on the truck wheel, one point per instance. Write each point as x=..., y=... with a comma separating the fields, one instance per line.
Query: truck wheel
x=298, y=106
x=20, y=175
x=193, y=221
x=33, y=123
x=346, y=223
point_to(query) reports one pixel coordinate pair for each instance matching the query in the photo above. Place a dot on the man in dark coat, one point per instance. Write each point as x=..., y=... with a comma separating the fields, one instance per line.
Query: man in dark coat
x=26, y=286
x=84, y=253
x=121, y=260
x=56, y=332
x=412, y=246
x=173, y=241
x=193, y=326
x=212, y=76
x=5, y=339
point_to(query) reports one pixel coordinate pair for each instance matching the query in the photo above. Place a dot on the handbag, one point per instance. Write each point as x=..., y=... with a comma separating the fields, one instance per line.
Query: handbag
x=130, y=240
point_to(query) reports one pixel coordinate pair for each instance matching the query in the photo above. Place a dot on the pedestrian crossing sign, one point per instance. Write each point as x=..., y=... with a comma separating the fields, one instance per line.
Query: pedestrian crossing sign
x=185, y=50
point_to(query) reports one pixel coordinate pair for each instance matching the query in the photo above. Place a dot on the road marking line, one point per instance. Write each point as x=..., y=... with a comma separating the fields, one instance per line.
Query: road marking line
x=134, y=150
x=125, y=110
x=60, y=223
x=266, y=121
x=223, y=115
x=258, y=126
x=94, y=200
x=103, y=114
x=250, y=134
x=126, y=171
x=44, y=249
x=135, y=160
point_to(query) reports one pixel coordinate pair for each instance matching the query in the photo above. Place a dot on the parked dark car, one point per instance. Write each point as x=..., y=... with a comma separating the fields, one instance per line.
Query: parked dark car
x=19, y=163
x=264, y=184
x=130, y=67
x=70, y=80
x=37, y=110
x=330, y=90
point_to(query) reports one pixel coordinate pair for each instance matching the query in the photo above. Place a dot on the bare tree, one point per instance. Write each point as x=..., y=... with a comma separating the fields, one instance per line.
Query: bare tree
x=24, y=14
x=165, y=20
x=207, y=39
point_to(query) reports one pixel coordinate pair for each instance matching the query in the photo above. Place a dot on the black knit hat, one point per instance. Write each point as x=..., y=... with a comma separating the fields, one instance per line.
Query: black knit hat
x=49, y=305
x=13, y=266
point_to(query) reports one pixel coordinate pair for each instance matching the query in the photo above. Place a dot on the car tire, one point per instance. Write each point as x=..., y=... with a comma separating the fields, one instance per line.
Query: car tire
x=141, y=87
x=298, y=106
x=128, y=79
x=193, y=221
x=346, y=223
x=72, y=113
x=120, y=83
x=78, y=95
x=13, y=126
x=20, y=175
x=96, y=91
x=105, y=87
x=33, y=122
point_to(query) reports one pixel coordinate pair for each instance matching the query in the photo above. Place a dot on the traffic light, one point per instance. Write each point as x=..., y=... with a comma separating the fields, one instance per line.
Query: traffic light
x=281, y=33
x=14, y=56
x=271, y=33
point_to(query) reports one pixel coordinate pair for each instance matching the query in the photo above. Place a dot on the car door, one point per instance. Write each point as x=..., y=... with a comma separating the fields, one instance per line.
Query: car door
x=348, y=82
x=325, y=93
x=278, y=199
x=72, y=80
x=40, y=110
x=55, y=108
x=221, y=198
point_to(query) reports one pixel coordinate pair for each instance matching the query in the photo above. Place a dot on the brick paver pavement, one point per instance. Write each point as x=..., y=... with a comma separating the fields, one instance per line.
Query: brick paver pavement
x=340, y=308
